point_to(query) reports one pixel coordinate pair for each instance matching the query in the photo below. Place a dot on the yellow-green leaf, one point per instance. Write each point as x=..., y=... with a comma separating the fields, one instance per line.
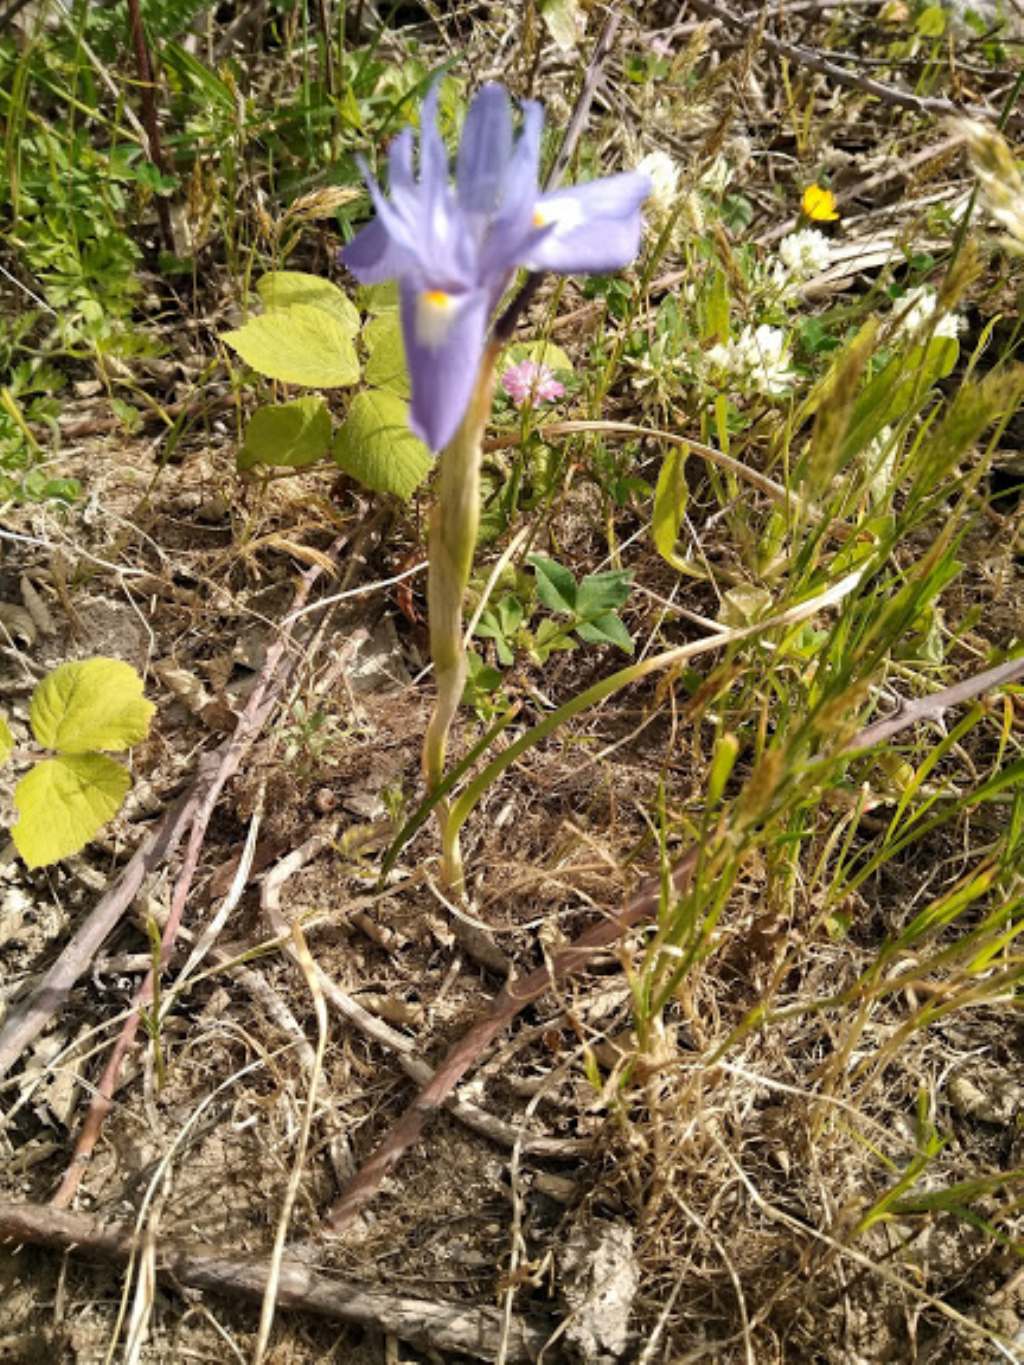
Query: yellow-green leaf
x=670, y=498
x=6, y=740
x=374, y=445
x=290, y=434
x=301, y=344
x=285, y=288
x=378, y=298
x=62, y=802
x=90, y=704
x=386, y=367
x=931, y=22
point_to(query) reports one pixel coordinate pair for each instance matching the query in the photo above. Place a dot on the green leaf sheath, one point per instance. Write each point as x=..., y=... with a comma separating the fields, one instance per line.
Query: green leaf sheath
x=453, y=531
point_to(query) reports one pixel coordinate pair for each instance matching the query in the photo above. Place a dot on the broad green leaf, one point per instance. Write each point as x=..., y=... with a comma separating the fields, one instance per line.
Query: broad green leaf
x=90, y=704
x=386, y=367
x=601, y=592
x=556, y=586
x=378, y=298
x=62, y=802
x=541, y=352
x=566, y=21
x=291, y=434
x=285, y=288
x=606, y=629
x=374, y=445
x=481, y=679
x=670, y=498
x=301, y=344
x=6, y=740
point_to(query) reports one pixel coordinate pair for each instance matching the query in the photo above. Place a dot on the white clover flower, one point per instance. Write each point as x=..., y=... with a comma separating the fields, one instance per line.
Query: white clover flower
x=663, y=174
x=759, y=357
x=916, y=309
x=717, y=176
x=999, y=180
x=805, y=253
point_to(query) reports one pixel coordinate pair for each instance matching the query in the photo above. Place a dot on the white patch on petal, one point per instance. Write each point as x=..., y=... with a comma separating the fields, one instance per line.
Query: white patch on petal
x=435, y=313
x=565, y=214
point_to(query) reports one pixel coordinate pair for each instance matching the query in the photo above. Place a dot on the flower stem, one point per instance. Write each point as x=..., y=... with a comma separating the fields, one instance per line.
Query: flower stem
x=453, y=531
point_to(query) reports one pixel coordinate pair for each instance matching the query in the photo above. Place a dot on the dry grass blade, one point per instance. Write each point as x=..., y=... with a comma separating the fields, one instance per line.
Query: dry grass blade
x=308, y=968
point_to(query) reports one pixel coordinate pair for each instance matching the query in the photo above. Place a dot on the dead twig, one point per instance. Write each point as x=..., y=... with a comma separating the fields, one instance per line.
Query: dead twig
x=28, y=1019
x=504, y=1008
x=889, y=94
x=149, y=115
x=935, y=704
x=429, y=1324
x=479, y=1120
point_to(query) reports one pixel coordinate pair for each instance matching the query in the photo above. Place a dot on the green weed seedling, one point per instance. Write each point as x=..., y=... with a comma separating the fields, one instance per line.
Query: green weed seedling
x=79, y=712
x=588, y=610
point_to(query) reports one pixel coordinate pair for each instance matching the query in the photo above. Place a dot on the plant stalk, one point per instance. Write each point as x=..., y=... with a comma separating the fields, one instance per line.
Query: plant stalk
x=454, y=522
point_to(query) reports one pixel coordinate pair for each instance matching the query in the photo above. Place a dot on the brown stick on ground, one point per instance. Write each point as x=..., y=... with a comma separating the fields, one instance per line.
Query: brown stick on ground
x=261, y=703
x=933, y=706
x=505, y=1134
x=149, y=116
x=504, y=1008
x=429, y=1324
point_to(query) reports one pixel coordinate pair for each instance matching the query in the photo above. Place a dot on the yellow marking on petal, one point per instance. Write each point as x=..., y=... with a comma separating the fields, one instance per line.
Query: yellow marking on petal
x=435, y=309
x=538, y=218
x=819, y=204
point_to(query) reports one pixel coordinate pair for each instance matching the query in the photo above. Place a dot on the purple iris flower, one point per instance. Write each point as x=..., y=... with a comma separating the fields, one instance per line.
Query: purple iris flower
x=453, y=248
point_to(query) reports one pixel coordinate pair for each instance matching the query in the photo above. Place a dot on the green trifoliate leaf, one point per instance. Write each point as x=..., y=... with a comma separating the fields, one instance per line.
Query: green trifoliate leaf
x=556, y=586
x=601, y=592
x=386, y=367
x=285, y=288
x=374, y=445
x=63, y=802
x=301, y=344
x=291, y=434
x=90, y=704
x=6, y=740
x=606, y=629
